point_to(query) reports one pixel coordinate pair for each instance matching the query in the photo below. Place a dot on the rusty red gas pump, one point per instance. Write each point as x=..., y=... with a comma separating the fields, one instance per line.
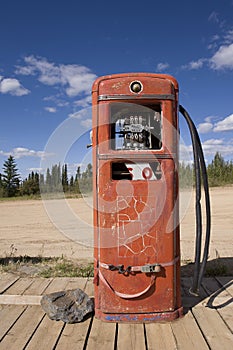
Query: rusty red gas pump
x=135, y=142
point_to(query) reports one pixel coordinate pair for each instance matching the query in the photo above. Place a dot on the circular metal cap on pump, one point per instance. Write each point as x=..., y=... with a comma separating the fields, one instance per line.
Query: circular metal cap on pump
x=136, y=86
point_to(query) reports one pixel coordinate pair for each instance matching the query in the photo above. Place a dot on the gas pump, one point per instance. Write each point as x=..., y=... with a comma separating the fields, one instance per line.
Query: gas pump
x=135, y=139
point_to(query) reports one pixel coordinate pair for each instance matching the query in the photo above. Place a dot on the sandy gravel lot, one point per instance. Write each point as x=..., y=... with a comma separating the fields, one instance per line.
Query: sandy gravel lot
x=63, y=227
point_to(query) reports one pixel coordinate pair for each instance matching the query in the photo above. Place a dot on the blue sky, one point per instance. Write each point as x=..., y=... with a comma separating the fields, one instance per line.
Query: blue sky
x=51, y=52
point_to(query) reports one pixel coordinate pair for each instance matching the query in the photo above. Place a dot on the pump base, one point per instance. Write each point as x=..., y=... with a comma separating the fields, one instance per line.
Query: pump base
x=140, y=318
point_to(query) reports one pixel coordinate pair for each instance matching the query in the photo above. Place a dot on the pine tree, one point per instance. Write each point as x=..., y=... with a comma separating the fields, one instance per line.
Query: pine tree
x=65, y=182
x=1, y=186
x=56, y=177
x=76, y=180
x=48, y=181
x=10, y=177
x=78, y=174
x=71, y=183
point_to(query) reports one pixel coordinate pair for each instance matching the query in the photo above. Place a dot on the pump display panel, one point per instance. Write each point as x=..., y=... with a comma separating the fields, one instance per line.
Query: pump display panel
x=135, y=127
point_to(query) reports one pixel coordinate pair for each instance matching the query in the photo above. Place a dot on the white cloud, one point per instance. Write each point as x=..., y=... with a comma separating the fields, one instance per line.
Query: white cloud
x=211, y=146
x=213, y=142
x=87, y=123
x=76, y=79
x=223, y=58
x=82, y=114
x=213, y=17
x=51, y=109
x=205, y=127
x=224, y=125
x=194, y=65
x=222, y=48
x=85, y=117
x=12, y=86
x=84, y=102
x=228, y=38
x=208, y=119
x=20, y=152
x=197, y=64
x=38, y=170
x=56, y=100
x=162, y=66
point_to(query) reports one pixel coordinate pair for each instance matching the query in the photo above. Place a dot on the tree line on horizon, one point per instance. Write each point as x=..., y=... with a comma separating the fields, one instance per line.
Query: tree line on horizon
x=54, y=180
x=219, y=171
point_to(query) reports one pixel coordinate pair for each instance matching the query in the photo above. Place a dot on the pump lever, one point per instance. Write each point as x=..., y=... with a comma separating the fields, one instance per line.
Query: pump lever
x=89, y=145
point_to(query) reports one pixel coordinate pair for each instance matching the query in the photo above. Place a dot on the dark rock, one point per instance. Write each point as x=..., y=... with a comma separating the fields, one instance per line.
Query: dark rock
x=69, y=306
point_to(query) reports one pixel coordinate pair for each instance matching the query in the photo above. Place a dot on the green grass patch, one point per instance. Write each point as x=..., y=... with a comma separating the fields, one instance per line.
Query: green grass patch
x=218, y=269
x=68, y=269
x=45, y=267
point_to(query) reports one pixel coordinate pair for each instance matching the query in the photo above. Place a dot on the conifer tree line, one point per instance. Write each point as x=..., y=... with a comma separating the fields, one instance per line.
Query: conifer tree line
x=219, y=171
x=56, y=179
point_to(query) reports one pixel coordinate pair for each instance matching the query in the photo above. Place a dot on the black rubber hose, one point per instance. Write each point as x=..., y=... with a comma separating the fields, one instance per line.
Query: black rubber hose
x=208, y=211
x=199, y=168
x=207, y=207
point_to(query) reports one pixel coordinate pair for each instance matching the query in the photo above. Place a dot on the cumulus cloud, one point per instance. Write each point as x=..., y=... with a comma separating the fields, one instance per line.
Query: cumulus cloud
x=228, y=37
x=205, y=127
x=85, y=116
x=211, y=146
x=161, y=67
x=12, y=86
x=223, y=58
x=20, y=152
x=75, y=79
x=213, y=17
x=87, y=123
x=224, y=125
x=84, y=102
x=222, y=49
x=194, y=65
x=38, y=170
x=51, y=109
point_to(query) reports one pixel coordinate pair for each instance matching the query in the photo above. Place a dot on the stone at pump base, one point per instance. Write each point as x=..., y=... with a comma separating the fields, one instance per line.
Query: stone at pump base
x=69, y=306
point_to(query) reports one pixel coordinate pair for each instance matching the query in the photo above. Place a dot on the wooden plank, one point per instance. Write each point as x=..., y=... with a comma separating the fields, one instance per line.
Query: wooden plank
x=27, y=286
x=227, y=283
x=102, y=335
x=89, y=288
x=6, y=280
x=18, y=336
x=75, y=334
x=57, y=284
x=76, y=282
x=38, y=286
x=8, y=315
x=46, y=335
x=187, y=334
x=220, y=299
x=64, y=283
x=160, y=336
x=20, y=286
x=20, y=299
x=131, y=337
x=217, y=334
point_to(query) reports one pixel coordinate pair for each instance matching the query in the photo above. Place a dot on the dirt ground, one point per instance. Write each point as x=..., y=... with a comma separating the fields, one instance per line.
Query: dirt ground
x=64, y=227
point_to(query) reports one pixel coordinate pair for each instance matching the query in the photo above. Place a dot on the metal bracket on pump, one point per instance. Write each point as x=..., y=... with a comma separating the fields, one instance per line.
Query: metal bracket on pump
x=152, y=268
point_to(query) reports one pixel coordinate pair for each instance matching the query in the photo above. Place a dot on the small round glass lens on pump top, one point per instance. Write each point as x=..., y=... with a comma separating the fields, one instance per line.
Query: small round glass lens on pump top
x=136, y=86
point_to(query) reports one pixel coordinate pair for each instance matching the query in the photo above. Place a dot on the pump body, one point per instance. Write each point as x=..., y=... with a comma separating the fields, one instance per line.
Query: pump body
x=135, y=189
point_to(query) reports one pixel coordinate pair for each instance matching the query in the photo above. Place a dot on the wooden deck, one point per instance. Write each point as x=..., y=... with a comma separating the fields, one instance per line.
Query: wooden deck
x=207, y=324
